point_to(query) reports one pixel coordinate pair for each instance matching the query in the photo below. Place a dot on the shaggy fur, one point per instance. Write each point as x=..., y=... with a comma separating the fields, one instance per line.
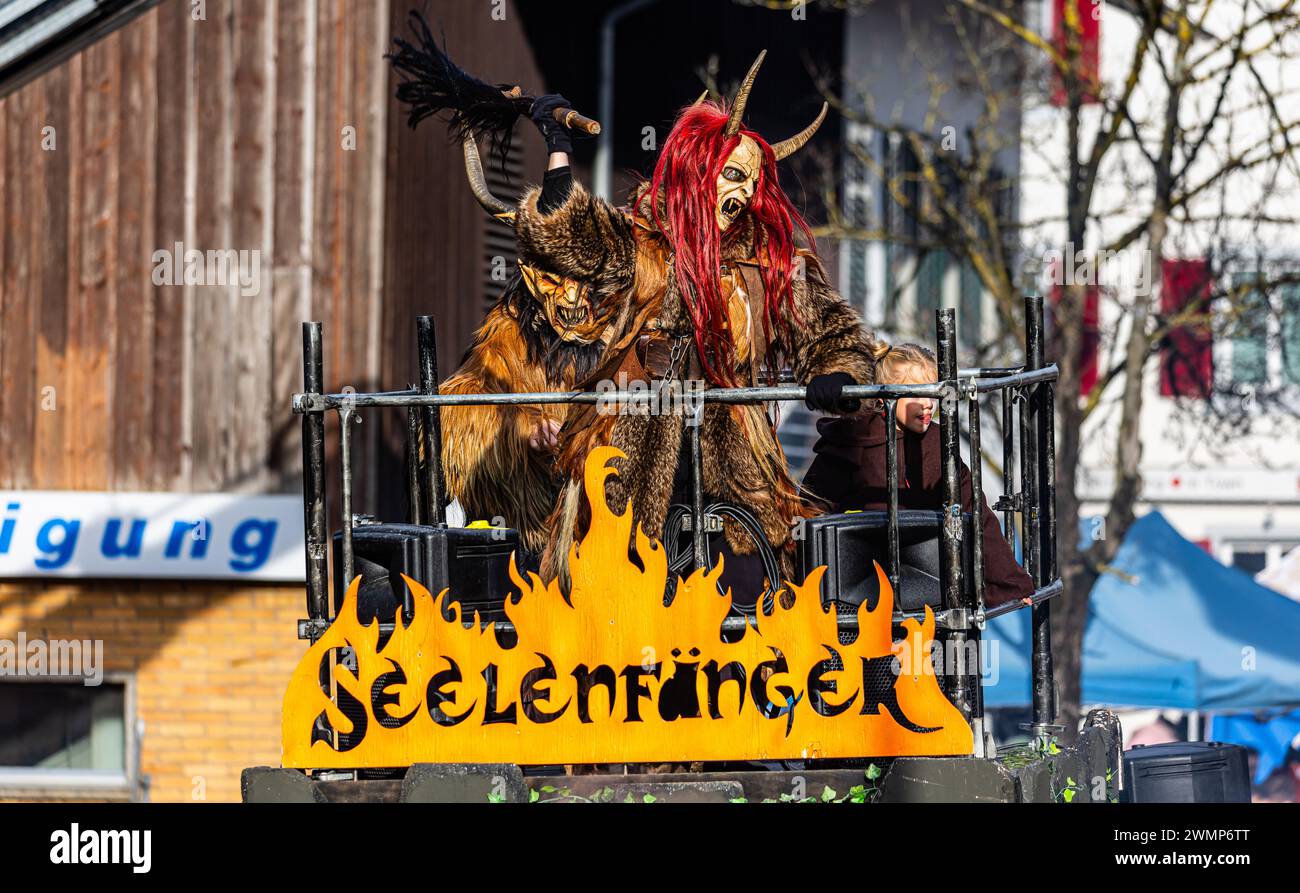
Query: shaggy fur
x=626, y=260
x=489, y=466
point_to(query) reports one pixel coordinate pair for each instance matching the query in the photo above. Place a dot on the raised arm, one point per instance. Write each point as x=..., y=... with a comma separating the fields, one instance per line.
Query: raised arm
x=563, y=228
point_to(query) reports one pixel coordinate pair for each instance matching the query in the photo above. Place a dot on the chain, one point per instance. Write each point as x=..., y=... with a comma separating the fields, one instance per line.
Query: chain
x=681, y=344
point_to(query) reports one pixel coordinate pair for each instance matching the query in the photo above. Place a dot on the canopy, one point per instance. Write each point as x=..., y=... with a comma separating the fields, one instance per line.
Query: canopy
x=1169, y=627
x=1271, y=734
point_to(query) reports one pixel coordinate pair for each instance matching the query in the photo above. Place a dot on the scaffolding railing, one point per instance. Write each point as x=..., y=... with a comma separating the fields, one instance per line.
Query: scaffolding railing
x=963, y=614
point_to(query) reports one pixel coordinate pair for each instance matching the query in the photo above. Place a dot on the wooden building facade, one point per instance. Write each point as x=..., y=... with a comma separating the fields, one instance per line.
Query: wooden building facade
x=265, y=127
x=244, y=126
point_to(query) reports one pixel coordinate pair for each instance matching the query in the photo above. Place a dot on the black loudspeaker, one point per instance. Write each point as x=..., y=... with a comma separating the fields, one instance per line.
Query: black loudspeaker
x=1186, y=772
x=849, y=542
x=472, y=563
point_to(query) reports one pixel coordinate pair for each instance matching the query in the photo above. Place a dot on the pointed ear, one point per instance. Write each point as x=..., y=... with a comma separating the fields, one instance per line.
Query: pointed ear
x=530, y=278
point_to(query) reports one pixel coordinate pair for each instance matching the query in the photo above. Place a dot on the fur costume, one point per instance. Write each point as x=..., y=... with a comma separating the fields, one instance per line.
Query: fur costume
x=489, y=466
x=625, y=257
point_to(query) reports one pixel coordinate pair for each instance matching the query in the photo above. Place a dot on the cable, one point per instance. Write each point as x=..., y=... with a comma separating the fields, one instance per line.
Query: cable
x=680, y=556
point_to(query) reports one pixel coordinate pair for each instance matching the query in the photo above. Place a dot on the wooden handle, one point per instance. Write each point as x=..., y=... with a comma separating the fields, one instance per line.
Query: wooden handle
x=574, y=121
x=568, y=117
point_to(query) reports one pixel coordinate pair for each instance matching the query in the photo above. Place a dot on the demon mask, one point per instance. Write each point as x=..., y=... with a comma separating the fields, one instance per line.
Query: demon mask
x=567, y=304
x=738, y=181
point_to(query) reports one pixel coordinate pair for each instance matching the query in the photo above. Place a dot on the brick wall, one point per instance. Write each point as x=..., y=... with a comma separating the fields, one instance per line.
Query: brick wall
x=210, y=664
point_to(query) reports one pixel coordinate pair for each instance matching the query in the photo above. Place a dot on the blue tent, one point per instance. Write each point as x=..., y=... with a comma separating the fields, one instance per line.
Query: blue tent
x=1174, y=628
x=1269, y=733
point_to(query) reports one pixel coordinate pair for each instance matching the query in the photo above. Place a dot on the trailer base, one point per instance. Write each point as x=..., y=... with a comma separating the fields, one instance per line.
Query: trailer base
x=1087, y=772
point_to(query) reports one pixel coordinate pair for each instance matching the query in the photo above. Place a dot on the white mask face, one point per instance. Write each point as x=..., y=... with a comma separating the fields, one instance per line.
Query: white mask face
x=738, y=181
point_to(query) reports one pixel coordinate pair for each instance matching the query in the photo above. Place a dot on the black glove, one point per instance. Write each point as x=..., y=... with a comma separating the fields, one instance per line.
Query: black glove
x=823, y=393
x=543, y=115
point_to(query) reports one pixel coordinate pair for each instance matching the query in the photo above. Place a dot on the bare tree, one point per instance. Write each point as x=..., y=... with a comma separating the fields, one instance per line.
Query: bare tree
x=1189, y=149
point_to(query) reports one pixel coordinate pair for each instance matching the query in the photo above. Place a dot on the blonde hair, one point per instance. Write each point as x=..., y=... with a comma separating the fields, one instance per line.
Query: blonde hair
x=895, y=362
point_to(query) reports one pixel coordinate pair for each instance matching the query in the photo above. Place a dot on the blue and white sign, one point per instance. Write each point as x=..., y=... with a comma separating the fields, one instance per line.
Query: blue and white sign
x=52, y=533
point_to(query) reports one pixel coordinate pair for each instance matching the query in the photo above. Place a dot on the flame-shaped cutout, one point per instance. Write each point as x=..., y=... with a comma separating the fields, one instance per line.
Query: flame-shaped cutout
x=614, y=675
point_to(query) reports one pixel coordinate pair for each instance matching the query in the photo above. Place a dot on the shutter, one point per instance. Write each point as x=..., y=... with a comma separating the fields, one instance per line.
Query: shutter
x=1089, y=46
x=1187, y=355
x=1090, y=337
x=500, y=257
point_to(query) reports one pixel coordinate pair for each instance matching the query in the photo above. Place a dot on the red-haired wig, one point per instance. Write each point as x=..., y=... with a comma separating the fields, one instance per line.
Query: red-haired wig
x=686, y=176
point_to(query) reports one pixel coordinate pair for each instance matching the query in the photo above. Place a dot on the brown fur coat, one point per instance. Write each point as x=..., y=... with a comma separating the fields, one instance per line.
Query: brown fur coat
x=490, y=468
x=625, y=260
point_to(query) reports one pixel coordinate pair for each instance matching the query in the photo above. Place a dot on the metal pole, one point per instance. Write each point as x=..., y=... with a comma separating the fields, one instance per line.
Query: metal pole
x=697, y=491
x=414, y=437
x=315, y=520
x=345, y=457
x=891, y=477
x=731, y=396
x=950, y=535
x=1031, y=470
x=1008, y=469
x=433, y=492
x=949, y=430
x=1047, y=420
x=977, y=501
x=604, y=165
x=977, y=569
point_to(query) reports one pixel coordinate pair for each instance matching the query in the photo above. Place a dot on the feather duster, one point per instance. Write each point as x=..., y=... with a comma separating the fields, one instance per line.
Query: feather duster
x=432, y=84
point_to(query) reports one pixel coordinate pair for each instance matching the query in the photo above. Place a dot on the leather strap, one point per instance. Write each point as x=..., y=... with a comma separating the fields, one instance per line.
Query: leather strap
x=668, y=356
x=752, y=276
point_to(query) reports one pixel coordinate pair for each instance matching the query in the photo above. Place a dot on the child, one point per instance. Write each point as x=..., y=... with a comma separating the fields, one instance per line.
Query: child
x=849, y=472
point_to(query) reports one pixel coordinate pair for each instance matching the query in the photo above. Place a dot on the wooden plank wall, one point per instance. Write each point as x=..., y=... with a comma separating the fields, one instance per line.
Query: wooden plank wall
x=228, y=133
x=436, y=251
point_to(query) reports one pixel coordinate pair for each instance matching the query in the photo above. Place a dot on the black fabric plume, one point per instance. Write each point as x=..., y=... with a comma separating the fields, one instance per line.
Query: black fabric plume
x=432, y=83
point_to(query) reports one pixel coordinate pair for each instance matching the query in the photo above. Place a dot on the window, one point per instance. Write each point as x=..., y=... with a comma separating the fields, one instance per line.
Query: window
x=1249, y=332
x=60, y=735
x=971, y=308
x=1253, y=554
x=929, y=286
x=1187, y=353
x=857, y=212
x=921, y=274
x=901, y=188
x=1252, y=562
x=1291, y=334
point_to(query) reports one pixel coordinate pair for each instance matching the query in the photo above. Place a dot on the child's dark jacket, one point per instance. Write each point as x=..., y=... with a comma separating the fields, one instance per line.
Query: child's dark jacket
x=849, y=473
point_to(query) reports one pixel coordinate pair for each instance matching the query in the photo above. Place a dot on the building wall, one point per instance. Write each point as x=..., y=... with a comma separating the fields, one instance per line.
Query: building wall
x=1216, y=469
x=908, y=65
x=263, y=126
x=208, y=663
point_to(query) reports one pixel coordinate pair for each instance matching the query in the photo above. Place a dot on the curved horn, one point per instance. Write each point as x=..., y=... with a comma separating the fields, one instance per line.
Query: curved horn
x=742, y=96
x=478, y=183
x=786, y=148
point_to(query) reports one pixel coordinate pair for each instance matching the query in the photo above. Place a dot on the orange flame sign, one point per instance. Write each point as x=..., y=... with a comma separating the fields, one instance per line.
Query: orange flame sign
x=613, y=675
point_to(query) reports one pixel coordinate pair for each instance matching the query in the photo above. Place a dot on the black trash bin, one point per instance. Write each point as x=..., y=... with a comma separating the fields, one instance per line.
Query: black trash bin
x=1186, y=772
